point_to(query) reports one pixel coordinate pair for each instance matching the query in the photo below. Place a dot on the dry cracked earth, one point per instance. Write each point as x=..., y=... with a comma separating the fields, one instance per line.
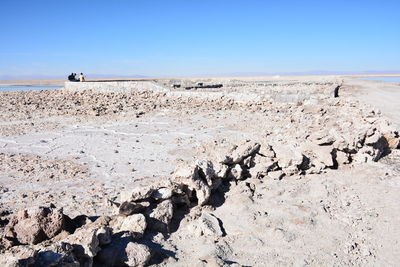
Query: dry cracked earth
x=257, y=173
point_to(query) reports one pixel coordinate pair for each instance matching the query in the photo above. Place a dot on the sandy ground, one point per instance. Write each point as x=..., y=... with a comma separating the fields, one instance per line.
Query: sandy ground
x=79, y=161
x=382, y=95
x=124, y=150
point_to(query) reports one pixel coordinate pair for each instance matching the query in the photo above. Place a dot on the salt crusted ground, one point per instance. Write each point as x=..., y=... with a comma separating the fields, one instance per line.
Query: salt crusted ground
x=257, y=173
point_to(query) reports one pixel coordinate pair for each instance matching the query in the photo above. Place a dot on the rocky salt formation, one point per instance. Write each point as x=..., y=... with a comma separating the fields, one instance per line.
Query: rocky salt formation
x=301, y=139
x=49, y=237
x=30, y=108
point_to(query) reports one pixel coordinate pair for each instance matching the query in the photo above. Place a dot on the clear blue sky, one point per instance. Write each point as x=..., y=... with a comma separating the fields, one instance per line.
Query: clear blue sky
x=178, y=38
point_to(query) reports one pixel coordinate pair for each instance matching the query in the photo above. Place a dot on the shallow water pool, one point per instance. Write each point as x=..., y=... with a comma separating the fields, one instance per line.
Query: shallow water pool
x=383, y=78
x=28, y=87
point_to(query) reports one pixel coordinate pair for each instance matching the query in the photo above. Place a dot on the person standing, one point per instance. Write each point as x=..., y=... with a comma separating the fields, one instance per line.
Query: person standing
x=81, y=77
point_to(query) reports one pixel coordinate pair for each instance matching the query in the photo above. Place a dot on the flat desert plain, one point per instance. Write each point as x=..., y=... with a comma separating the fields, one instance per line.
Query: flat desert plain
x=265, y=171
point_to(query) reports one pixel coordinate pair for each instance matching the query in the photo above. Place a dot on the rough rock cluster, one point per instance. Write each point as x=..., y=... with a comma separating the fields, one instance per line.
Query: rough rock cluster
x=53, y=238
x=307, y=137
x=33, y=105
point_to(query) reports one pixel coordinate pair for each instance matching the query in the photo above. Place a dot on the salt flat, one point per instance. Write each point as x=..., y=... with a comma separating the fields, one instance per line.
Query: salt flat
x=262, y=170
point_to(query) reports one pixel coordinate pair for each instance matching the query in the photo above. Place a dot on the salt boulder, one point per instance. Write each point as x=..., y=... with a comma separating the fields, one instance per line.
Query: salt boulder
x=266, y=150
x=137, y=254
x=209, y=225
x=379, y=145
x=62, y=254
x=321, y=138
x=262, y=166
x=372, y=139
x=129, y=208
x=249, y=162
x=193, y=178
x=87, y=239
x=237, y=173
x=206, y=169
x=241, y=152
x=342, y=158
x=143, y=190
x=34, y=225
x=135, y=224
x=221, y=170
x=159, y=219
x=162, y=193
x=288, y=155
x=319, y=154
x=324, y=155
x=123, y=252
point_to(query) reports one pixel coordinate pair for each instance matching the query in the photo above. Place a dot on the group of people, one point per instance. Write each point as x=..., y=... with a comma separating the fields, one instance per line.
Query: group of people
x=72, y=78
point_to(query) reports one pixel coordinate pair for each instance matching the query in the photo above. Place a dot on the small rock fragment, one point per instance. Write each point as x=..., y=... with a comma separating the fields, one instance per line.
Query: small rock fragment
x=209, y=225
x=276, y=175
x=236, y=172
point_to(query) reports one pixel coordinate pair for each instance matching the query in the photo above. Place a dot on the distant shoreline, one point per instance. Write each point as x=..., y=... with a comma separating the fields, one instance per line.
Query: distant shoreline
x=60, y=82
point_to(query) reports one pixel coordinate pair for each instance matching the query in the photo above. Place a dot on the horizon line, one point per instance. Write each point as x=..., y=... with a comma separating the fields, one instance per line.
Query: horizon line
x=232, y=74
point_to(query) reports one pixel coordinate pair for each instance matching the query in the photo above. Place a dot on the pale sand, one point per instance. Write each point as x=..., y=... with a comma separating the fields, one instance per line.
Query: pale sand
x=383, y=95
